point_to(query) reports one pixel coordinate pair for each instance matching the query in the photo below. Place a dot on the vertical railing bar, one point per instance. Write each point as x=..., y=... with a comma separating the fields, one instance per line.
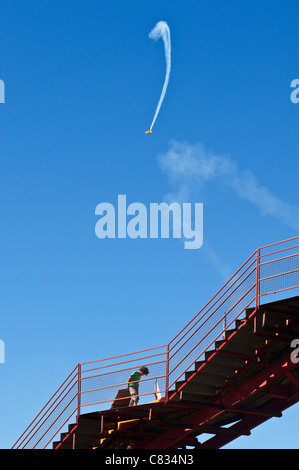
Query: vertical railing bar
x=167, y=374
x=257, y=300
x=79, y=394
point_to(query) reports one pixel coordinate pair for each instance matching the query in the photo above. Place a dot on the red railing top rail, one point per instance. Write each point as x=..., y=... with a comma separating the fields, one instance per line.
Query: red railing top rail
x=138, y=359
x=279, y=243
x=123, y=355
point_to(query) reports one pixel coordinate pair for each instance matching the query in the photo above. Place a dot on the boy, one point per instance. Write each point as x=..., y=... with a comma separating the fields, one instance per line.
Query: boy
x=133, y=384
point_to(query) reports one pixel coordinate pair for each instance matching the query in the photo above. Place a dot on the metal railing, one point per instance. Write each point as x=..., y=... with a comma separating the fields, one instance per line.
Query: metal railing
x=101, y=380
x=54, y=415
x=94, y=384
x=228, y=304
x=269, y=271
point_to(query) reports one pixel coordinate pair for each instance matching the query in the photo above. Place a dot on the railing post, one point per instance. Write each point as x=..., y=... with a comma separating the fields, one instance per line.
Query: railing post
x=167, y=373
x=78, y=393
x=78, y=402
x=257, y=300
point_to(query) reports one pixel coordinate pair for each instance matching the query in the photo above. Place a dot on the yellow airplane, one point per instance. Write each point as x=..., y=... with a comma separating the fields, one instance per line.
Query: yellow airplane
x=149, y=132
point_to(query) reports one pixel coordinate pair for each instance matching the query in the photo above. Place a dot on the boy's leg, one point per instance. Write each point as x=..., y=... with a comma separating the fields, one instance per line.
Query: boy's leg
x=134, y=397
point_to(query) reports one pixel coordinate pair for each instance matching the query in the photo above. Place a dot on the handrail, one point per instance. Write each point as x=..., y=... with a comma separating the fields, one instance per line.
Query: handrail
x=78, y=391
x=123, y=355
x=29, y=430
x=260, y=275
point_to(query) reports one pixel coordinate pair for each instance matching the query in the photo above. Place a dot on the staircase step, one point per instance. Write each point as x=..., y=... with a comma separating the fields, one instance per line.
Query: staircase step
x=66, y=445
x=227, y=359
x=196, y=387
x=195, y=396
x=217, y=368
x=238, y=347
x=206, y=378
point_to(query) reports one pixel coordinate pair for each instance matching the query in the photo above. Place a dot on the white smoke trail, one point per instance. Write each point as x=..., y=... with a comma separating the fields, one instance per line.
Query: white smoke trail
x=192, y=166
x=162, y=30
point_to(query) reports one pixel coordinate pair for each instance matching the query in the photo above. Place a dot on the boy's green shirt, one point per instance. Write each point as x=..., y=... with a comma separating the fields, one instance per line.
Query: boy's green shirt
x=135, y=376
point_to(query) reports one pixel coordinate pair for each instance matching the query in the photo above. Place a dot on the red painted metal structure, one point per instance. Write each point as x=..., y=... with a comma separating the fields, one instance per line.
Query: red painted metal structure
x=268, y=273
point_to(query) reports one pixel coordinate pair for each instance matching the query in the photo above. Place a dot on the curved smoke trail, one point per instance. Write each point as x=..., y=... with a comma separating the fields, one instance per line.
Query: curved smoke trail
x=162, y=30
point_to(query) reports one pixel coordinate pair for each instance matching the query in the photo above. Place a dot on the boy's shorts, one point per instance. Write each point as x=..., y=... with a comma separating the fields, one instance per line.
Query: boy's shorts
x=134, y=393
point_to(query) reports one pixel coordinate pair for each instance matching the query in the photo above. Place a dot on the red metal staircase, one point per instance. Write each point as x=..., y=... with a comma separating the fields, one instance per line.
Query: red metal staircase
x=228, y=370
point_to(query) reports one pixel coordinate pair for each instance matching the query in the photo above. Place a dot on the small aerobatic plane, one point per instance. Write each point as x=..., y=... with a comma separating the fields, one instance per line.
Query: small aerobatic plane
x=149, y=132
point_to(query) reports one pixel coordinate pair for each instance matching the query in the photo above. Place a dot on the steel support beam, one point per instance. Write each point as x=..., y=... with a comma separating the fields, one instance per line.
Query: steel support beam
x=231, y=401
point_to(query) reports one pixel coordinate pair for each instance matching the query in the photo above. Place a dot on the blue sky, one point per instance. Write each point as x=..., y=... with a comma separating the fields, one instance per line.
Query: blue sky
x=82, y=80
